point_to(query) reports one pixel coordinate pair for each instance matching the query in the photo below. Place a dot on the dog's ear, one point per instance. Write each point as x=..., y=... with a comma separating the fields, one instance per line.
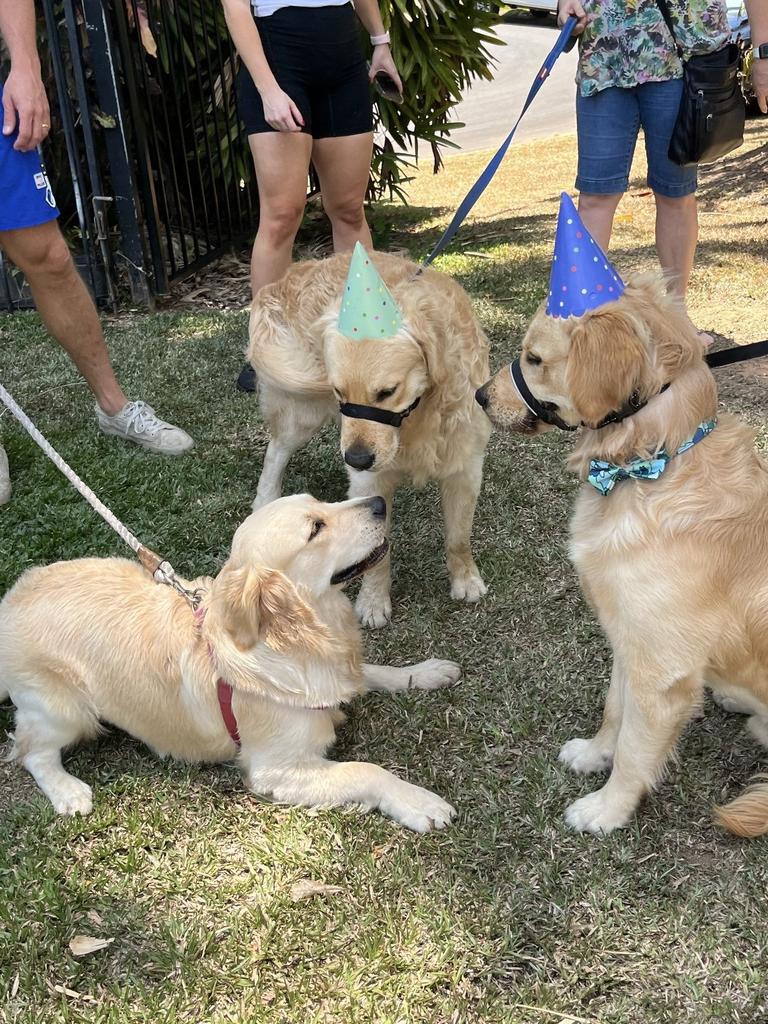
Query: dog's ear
x=263, y=606
x=607, y=361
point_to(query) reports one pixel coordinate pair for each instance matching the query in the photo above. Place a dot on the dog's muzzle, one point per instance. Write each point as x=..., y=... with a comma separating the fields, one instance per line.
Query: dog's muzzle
x=545, y=412
x=371, y=412
x=541, y=410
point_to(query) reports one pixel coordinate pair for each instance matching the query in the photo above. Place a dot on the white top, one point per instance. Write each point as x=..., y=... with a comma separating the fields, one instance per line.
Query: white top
x=263, y=8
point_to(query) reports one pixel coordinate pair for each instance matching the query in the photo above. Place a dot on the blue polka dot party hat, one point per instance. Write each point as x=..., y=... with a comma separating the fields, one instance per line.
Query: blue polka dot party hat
x=582, y=276
x=367, y=307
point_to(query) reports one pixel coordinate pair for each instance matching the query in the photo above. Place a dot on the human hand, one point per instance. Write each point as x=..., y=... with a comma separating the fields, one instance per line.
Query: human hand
x=280, y=111
x=25, y=104
x=572, y=8
x=760, y=83
x=382, y=61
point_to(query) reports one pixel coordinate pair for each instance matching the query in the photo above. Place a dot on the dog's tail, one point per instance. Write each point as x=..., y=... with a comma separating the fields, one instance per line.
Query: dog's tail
x=280, y=359
x=747, y=815
x=286, y=373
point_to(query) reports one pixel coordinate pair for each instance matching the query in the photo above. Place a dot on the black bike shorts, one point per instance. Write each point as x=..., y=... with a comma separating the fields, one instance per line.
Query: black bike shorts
x=316, y=56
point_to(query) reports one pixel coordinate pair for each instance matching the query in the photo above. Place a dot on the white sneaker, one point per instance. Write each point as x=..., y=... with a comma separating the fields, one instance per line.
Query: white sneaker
x=137, y=422
x=5, y=478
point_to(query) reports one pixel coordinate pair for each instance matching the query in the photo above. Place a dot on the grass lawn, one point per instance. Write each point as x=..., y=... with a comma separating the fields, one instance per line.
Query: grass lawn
x=505, y=917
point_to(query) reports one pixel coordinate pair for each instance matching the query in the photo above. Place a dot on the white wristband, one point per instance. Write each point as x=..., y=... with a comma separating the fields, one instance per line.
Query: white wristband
x=380, y=40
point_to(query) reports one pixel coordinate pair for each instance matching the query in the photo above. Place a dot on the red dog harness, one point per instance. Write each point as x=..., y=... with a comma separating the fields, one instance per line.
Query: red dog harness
x=224, y=693
x=223, y=689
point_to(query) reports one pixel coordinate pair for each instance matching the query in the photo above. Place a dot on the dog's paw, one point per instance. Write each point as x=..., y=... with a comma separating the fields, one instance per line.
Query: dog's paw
x=597, y=814
x=71, y=796
x=468, y=586
x=732, y=704
x=417, y=809
x=757, y=727
x=434, y=673
x=373, y=610
x=583, y=757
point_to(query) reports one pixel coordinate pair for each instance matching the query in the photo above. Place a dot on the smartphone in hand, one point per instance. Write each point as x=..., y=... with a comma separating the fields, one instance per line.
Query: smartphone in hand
x=387, y=86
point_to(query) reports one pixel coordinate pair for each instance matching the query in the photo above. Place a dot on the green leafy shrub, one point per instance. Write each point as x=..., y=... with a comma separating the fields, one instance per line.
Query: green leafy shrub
x=439, y=46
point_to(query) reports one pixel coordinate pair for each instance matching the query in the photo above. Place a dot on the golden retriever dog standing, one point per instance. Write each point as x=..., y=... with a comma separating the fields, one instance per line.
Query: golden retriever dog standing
x=676, y=567
x=257, y=673
x=426, y=371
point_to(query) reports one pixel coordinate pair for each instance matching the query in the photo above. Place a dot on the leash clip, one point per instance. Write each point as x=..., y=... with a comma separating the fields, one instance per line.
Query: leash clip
x=166, y=574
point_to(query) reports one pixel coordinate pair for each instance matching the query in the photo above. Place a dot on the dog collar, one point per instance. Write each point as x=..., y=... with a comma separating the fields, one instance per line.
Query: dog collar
x=223, y=688
x=540, y=410
x=605, y=475
x=224, y=693
x=544, y=412
x=371, y=412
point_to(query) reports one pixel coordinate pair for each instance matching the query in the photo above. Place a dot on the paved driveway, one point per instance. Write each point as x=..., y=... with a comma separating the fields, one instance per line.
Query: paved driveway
x=489, y=109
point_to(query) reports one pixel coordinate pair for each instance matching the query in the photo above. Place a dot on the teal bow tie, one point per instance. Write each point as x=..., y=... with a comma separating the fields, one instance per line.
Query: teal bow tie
x=605, y=475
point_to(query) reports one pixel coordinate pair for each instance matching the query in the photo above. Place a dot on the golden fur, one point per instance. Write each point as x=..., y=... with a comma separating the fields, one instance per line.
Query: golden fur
x=675, y=568
x=305, y=367
x=96, y=640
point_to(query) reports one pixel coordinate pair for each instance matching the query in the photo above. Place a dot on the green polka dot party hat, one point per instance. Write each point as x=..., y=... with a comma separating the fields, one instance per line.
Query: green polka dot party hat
x=367, y=307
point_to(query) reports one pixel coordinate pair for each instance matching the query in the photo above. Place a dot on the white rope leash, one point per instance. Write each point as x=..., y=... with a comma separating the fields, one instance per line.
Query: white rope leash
x=162, y=571
x=109, y=517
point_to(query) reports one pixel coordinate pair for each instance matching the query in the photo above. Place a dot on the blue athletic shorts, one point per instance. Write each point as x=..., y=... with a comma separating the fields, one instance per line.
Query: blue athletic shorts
x=608, y=124
x=26, y=197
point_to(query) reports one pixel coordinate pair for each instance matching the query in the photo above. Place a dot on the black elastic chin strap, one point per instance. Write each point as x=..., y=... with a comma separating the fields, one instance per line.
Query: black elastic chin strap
x=371, y=412
x=542, y=411
x=736, y=354
x=539, y=409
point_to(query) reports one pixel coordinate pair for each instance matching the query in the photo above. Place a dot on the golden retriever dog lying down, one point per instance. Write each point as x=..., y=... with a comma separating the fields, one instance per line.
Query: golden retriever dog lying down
x=676, y=568
x=97, y=640
x=306, y=368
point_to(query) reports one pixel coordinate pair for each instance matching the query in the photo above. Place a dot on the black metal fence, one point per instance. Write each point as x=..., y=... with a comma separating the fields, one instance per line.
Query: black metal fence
x=148, y=160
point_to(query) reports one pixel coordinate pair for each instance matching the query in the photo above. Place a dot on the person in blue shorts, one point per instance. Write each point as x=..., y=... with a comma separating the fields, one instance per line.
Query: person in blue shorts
x=630, y=77
x=31, y=238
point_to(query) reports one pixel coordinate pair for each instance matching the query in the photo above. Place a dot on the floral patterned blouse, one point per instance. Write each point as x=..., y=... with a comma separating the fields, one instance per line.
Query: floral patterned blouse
x=627, y=43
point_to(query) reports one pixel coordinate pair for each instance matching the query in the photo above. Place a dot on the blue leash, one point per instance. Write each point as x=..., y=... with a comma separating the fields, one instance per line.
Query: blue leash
x=485, y=178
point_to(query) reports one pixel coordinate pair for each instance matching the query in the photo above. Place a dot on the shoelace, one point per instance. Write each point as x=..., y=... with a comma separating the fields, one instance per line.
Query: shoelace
x=142, y=419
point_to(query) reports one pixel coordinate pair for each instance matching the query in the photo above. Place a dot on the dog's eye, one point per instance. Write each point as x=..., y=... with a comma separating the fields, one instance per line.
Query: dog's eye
x=385, y=393
x=550, y=406
x=532, y=359
x=317, y=526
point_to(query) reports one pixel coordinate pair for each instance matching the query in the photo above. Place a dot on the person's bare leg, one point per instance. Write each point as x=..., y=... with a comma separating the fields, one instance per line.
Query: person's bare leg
x=65, y=306
x=70, y=316
x=344, y=167
x=281, y=160
x=677, y=231
x=597, y=212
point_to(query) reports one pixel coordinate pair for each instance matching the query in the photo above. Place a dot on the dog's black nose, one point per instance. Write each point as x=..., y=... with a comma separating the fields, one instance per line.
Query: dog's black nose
x=481, y=397
x=358, y=457
x=378, y=507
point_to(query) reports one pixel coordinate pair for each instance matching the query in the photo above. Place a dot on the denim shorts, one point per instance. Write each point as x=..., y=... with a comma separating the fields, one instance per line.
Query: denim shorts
x=608, y=124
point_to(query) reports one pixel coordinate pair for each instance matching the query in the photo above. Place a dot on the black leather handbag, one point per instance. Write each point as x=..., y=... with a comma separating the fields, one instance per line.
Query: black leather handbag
x=710, y=122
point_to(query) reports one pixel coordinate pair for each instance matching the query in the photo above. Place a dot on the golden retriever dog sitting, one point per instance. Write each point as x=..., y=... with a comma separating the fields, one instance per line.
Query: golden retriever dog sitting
x=405, y=390
x=670, y=539
x=256, y=673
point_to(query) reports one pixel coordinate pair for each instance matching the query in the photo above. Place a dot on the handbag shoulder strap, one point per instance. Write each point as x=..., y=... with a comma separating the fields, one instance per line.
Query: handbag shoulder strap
x=667, y=16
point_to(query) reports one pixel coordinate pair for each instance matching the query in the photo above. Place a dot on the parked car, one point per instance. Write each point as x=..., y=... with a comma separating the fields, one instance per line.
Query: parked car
x=538, y=8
